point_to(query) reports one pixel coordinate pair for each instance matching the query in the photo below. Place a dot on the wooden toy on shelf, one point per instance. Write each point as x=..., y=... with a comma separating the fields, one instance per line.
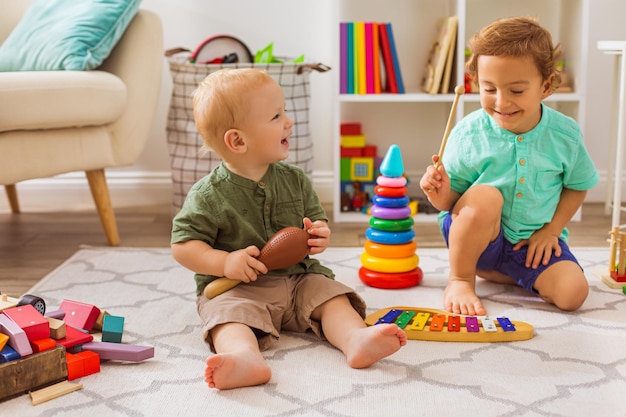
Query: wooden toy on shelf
x=440, y=326
x=615, y=275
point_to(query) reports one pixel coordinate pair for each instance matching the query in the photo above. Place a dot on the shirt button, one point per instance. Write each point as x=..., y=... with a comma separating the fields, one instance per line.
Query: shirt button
x=522, y=180
x=520, y=138
x=518, y=195
x=262, y=184
x=267, y=207
x=522, y=161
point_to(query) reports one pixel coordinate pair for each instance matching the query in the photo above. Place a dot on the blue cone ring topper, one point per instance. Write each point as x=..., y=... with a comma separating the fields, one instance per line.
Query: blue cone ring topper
x=392, y=165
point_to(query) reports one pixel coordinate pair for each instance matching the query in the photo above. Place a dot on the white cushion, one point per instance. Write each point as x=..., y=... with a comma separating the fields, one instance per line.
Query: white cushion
x=55, y=99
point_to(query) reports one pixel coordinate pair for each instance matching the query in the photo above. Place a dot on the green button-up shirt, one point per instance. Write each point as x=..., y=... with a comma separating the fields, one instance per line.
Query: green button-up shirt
x=230, y=212
x=529, y=169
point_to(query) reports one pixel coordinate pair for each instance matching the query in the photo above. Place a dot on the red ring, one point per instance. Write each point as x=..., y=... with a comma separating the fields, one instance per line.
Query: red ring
x=391, y=280
x=392, y=192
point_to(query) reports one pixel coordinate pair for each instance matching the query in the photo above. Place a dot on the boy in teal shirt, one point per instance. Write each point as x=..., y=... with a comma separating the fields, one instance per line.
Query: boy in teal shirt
x=513, y=175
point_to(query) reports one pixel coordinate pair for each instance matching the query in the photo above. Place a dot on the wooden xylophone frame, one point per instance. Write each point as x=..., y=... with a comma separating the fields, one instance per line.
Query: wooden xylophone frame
x=433, y=325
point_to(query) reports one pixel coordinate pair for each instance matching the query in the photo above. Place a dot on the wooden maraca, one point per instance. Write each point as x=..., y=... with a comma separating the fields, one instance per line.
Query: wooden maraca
x=287, y=247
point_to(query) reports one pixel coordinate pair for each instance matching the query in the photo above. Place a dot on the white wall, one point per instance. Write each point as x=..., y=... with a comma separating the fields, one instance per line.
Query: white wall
x=296, y=27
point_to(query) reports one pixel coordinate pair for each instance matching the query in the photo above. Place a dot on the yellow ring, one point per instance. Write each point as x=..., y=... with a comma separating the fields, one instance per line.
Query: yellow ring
x=374, y=263
x=380, y=250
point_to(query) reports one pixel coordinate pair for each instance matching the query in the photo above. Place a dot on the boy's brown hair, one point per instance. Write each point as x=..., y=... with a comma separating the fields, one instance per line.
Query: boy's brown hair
x=516, y=37
x=220, y=103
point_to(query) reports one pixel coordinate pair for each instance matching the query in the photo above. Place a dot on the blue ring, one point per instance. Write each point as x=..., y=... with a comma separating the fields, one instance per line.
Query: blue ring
x=389, y=238
x=391, y=202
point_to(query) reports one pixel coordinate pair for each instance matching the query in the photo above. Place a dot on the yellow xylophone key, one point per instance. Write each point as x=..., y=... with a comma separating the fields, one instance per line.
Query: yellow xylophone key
x=420, y=321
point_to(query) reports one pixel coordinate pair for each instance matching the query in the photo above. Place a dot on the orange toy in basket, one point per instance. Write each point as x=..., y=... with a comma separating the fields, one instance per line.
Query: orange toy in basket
x=287, y=247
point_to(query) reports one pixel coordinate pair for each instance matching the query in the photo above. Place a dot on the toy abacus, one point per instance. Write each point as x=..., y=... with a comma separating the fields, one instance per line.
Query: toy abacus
x=389, y=260
x=437, y=325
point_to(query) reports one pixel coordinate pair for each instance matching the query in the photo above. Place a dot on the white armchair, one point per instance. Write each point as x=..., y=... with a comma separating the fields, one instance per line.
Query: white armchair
x=54, y=122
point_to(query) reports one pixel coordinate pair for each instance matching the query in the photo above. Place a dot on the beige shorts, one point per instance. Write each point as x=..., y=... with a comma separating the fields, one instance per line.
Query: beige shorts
x=272, y=304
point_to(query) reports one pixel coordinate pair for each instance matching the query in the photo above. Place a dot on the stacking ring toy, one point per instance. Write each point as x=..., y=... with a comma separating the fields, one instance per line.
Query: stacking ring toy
x=389, y=238
x=390, y=191
x=391, y=281
x=390, y=213
x=391, y=181
x=390, y=251
x=389, y=265
x=390, y=202
x=392, y=225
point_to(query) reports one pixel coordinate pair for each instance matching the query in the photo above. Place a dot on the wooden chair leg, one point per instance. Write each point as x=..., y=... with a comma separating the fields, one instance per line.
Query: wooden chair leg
x=102, y=199
x=11, y=191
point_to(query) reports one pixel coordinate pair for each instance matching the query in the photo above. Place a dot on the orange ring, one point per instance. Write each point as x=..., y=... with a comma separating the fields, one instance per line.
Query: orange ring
x=391, y=281
x=380, y=250
x=389, y=265
x=392, y=192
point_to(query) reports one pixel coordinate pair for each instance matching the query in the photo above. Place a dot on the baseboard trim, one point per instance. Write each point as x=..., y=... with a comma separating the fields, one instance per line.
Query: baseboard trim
x=127, y=188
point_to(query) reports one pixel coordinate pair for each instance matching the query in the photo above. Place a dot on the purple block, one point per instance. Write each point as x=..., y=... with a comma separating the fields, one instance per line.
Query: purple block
x=17, y=337
x=120, y=351
x=55, y=314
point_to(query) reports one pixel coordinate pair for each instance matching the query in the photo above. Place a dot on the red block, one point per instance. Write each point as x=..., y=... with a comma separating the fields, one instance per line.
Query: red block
x=30, y=320
x=75, y=366
x=41, y=345
x=350, y=129
x=80, y=315
x=74, y=337
x=91, y=361
x=351, y=152
x=370, y=151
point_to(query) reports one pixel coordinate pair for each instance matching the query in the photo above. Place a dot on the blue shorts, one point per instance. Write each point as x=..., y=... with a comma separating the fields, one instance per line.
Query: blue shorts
x=500, y=256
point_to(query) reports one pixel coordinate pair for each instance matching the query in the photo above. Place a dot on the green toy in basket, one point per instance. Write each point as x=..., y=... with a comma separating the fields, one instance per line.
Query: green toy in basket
x=266, y=56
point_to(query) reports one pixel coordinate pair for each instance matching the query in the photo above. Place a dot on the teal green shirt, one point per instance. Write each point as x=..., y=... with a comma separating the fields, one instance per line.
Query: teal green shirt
x=529, y=169
x=230, y=212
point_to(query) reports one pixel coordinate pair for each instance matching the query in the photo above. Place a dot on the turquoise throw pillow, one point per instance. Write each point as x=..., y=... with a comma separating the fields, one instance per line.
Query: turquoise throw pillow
x=66, y=34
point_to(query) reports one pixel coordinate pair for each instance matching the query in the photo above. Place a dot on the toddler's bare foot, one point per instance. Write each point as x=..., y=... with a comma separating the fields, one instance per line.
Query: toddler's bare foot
x=236, y=369
x=369, y=345
x=460, y=298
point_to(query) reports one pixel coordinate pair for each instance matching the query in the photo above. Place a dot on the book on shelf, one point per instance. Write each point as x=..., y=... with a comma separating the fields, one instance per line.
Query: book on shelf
x=368, y=59
x=440, y=60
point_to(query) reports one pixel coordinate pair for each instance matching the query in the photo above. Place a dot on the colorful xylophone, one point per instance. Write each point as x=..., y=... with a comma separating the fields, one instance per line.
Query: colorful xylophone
x=438, y=325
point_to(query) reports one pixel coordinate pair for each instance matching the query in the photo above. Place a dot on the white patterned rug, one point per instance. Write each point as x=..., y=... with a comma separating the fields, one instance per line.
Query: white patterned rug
x=574, y=366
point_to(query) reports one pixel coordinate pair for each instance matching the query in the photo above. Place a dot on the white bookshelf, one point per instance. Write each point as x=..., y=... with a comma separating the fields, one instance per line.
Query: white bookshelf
x=415, y=121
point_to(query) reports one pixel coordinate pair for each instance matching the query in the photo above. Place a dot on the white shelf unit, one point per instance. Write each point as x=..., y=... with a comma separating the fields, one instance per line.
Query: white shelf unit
x=415, y=121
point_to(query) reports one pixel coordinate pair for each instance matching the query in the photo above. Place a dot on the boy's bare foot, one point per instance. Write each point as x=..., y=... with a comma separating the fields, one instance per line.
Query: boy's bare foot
x=236, y=369
x=369, y=345
x=460, y=298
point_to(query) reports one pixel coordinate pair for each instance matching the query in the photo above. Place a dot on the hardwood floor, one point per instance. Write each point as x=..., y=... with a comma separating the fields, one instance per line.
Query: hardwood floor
x=33, y=244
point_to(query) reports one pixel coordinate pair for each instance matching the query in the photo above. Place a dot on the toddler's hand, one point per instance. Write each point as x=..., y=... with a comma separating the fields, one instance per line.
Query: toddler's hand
x=320, y=235
x=541, y=245
x=242, y=264
x=435, y=181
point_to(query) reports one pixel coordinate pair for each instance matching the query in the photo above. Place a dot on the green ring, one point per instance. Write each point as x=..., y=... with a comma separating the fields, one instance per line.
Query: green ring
x=392, y=225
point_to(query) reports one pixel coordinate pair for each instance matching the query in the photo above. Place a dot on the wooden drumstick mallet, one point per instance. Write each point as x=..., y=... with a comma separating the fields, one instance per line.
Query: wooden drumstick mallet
x=458, y=91
x=285, y=248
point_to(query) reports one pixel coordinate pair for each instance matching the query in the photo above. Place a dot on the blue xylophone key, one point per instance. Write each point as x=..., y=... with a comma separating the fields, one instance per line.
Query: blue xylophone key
x=390, y=317
x=471, y=324
x=506, y=324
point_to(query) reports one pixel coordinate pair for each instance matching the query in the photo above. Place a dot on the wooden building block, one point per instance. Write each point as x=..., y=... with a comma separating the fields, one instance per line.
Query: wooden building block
x=91, y=361
x=3, y=340
x=42, y=344
x=97, y=327
x=30, y=320
x=53, y=391
x=120, y=351
x=7, y=302
x=353, y=141
x=74, y=337
x=80, y=315
x=57, y=328
x=17, y=337
x=33, y=372
x=112, y=329
x=350, y=129
x=57, y=314
x=8, y=354
x=75, y=366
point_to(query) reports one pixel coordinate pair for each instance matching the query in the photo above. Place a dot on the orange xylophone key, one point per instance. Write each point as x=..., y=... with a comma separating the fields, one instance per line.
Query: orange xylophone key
x=436, y=324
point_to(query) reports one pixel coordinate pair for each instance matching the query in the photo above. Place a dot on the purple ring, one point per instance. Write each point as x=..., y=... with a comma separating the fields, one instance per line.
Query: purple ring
x=390, y=213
